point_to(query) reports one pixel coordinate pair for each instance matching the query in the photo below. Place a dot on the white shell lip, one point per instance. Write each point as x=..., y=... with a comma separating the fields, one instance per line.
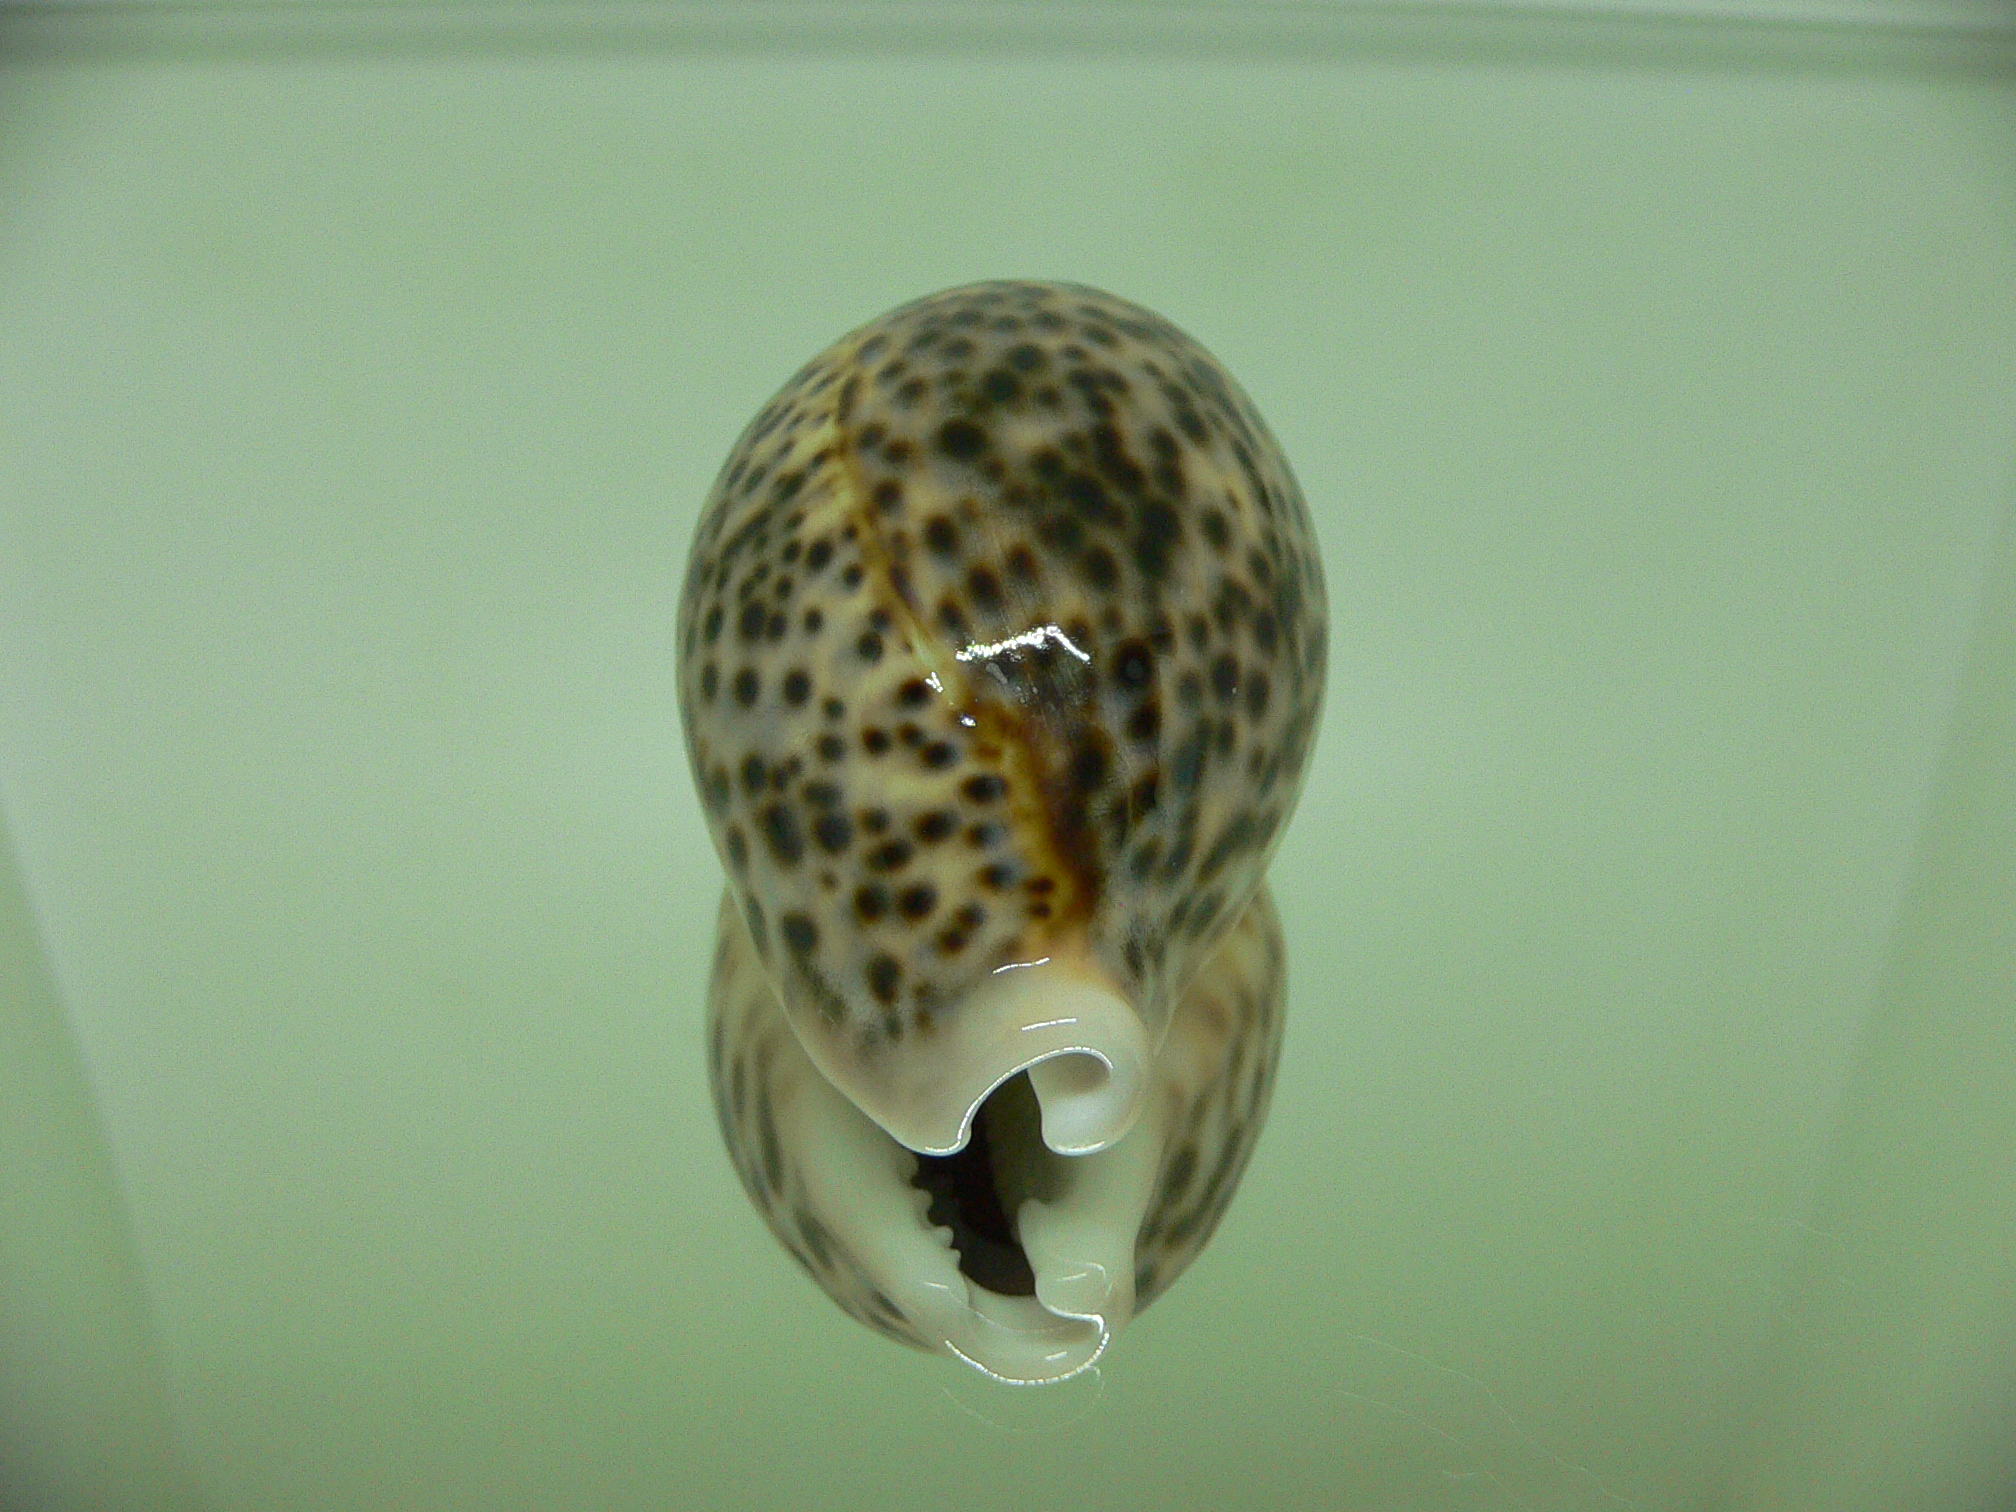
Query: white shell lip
x=1080, y=1246
x=1085, y=1049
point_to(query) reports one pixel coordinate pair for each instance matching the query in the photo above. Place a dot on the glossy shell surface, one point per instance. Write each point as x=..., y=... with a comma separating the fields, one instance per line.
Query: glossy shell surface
x=1001, y=654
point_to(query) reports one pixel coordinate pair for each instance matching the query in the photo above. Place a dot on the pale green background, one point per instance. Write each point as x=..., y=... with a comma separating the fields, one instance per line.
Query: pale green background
x=1646, y=1135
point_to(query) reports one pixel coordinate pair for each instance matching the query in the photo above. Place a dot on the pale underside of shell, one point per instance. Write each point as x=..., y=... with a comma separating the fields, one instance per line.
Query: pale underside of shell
x=1001, y=652
x=1017, y=1259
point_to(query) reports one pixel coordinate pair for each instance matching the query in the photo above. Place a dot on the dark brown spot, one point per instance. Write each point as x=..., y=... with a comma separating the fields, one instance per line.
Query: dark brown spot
x=1186, y=767
x=1090, y=763
x=1264, y=631
x=1133, y=665
x=1061, y=532
x=884, y=977
x=1101, y=571
x=984, y=588
x=781, y=830
x=961, y=440
x=1256, y=695
x=1144, y=796
x=1225, y=677
x=891, y=855
x=801, y=935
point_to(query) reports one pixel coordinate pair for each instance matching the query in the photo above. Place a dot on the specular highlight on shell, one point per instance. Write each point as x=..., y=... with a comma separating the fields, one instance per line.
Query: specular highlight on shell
x=1001, y=654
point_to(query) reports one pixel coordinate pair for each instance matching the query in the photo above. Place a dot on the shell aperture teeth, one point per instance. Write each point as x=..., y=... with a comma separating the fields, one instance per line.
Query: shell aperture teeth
x=1005, y=1253
x=1095, y=1237
x=970, y=1192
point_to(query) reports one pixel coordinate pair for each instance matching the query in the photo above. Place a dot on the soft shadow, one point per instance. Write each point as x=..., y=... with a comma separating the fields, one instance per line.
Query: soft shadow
x=85, y=1420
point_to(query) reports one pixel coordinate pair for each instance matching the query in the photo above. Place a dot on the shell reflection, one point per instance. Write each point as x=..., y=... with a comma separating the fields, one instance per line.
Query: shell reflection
x=1001, y=653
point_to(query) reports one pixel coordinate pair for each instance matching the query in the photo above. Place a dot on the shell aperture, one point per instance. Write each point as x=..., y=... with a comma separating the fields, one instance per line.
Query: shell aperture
x=1001, y=654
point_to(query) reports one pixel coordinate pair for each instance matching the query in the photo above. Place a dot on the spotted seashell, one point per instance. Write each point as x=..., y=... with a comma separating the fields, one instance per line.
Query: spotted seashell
x=1001, y=653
